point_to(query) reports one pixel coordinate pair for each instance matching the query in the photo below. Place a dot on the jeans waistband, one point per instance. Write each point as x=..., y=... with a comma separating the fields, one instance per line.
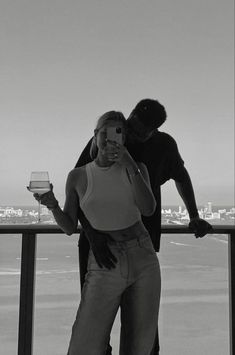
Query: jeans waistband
x=129, y=243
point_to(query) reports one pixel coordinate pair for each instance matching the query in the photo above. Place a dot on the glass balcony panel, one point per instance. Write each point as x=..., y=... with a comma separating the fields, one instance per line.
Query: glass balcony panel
x=57, y=292
x=10, y=252
x=194, y=312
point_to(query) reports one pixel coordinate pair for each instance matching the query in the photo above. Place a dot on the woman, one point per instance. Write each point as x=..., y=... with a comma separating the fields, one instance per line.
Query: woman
x=113, y=191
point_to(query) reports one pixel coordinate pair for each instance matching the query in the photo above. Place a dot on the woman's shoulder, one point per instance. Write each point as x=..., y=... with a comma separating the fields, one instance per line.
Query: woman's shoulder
x=77, y=173
x=78, y=170
x=141, y=165
x=143, y=168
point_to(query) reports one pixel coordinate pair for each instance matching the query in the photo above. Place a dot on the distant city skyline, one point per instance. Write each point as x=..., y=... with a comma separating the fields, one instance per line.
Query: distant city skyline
x=165, y=206
x=170, y=214
x=63, y=64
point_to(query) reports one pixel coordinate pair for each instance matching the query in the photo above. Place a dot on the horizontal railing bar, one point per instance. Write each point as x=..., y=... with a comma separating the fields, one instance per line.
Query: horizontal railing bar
x=54, y=229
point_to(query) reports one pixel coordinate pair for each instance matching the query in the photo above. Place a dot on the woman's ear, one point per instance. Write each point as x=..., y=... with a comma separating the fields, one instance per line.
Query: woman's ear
x=94, y=140
x=93, y=148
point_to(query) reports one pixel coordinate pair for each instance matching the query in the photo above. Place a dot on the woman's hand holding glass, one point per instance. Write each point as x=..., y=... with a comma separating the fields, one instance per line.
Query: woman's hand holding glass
x=48, y=199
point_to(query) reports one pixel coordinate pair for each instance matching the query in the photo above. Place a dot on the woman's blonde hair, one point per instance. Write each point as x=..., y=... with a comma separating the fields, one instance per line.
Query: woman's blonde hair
x=107, y=116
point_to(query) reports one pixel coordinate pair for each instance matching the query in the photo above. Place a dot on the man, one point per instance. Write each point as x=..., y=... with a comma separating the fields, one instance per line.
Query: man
x=159, y=152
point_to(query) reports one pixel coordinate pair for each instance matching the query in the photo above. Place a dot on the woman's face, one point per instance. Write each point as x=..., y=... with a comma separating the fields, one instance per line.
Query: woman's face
x=102, y=133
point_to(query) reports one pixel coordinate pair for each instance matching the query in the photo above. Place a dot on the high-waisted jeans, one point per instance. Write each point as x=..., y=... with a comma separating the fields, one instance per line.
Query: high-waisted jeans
x=135, y=286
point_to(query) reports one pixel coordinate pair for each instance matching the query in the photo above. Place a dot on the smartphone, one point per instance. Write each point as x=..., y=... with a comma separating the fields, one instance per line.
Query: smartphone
x=115, y=134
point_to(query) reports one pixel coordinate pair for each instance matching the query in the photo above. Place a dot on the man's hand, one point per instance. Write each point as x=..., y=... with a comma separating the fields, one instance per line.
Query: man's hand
x=101, y=251
x=200, y=227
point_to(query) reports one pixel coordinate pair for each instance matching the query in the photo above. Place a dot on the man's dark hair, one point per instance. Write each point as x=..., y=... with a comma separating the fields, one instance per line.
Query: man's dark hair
x=150, y=112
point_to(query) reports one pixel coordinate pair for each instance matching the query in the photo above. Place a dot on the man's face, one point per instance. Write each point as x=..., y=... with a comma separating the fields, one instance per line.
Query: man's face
x=137, y=131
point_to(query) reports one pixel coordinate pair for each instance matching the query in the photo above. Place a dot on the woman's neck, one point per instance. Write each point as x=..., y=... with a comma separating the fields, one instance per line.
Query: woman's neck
x=103, y=161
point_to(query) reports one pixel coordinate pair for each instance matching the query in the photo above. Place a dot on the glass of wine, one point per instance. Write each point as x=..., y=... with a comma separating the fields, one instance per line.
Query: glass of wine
x=40, y=184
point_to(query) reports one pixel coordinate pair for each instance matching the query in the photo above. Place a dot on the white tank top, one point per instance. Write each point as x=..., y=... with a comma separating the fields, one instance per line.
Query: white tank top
x=108, y=202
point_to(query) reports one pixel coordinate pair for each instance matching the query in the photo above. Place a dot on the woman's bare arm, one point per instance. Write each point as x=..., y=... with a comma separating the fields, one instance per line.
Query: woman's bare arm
x=67, y=218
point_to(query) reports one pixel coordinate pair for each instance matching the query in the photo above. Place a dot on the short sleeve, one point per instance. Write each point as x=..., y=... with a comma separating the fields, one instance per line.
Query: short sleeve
x=174, y=161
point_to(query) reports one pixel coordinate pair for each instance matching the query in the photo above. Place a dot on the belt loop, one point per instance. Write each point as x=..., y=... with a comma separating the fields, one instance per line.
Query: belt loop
x=120, y=246
x=139, y=242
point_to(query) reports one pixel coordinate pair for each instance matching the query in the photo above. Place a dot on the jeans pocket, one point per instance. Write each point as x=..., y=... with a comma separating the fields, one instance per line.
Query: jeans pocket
x=92, y=264
x=148, y=246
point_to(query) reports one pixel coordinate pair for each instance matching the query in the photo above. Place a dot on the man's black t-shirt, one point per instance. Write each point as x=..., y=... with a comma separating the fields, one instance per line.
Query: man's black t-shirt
x=161, y=156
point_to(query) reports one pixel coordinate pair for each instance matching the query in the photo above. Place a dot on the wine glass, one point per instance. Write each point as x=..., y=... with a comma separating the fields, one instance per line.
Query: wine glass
x=40, y=184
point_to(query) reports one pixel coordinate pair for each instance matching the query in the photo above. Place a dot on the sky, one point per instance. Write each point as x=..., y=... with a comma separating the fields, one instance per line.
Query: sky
x=64, y=63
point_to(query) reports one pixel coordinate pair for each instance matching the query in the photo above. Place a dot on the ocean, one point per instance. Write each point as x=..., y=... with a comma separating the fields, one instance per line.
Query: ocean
x=194, y=313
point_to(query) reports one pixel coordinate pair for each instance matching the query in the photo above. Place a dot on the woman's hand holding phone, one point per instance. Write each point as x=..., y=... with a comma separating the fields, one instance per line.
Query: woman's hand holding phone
x=115, y=149
x=118, y=153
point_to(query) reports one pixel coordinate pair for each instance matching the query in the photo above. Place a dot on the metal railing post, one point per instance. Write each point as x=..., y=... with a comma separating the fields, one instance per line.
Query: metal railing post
x=231, y=266
x=26, y=310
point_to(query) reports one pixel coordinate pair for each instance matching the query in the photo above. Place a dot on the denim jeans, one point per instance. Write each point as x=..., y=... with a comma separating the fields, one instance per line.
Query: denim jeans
x=135, y=286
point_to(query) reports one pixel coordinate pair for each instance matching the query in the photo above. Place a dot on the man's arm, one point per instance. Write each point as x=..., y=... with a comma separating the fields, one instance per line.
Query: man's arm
x=185, y=188
x=98, y=243
x=186, y=192
x=178, y=172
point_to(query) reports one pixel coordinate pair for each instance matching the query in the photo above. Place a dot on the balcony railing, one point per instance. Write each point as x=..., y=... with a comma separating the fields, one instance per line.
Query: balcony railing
x=27, y=280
